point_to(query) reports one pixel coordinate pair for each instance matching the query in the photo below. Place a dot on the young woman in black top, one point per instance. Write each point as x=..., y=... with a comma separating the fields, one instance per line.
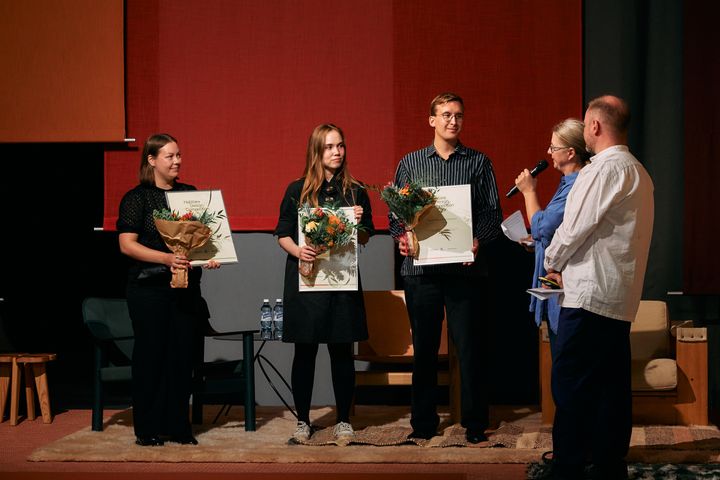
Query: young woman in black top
x=336, y=318
x=163, y=318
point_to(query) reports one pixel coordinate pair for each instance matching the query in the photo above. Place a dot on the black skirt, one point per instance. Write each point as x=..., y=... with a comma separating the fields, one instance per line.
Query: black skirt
x=321, y=317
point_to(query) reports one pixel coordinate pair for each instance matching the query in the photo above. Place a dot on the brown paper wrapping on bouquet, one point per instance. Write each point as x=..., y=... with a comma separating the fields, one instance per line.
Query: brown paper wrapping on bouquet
x=181, y=237
x=410, y=237
x=307, y=269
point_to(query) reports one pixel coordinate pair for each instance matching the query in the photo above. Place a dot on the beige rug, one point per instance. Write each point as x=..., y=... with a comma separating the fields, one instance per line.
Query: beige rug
x=381, y=437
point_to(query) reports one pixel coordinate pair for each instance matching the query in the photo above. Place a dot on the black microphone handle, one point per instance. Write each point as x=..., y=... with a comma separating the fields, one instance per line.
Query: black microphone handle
x=542, y=165
x=512, y=192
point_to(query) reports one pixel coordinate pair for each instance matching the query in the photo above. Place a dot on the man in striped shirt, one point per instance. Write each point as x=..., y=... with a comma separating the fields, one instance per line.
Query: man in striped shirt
x=457, y=289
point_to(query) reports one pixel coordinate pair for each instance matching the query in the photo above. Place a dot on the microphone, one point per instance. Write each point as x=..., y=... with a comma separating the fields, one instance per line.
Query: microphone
x=541, y=165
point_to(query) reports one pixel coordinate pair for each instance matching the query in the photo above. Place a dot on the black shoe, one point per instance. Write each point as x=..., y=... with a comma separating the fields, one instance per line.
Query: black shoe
x=184, y=439
x=475, y=436
x=149, y=441
x=422, y=435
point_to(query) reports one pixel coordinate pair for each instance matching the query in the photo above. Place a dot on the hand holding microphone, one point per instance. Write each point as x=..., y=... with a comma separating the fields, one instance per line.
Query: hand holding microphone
x=541, y=165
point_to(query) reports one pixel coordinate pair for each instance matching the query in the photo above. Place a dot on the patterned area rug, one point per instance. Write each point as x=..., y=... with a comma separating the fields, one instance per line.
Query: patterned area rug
x=507, y=435
x=640, y=471
x=381, y=437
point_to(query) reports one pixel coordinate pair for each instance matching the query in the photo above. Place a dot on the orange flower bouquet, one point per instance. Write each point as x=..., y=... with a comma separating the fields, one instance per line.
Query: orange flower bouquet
x=324, y=229
x=182, y=233
x=408, y=204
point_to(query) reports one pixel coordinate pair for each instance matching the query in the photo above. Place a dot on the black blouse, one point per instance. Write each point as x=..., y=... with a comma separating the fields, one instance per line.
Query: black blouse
x=136, y=216
x=330, y=193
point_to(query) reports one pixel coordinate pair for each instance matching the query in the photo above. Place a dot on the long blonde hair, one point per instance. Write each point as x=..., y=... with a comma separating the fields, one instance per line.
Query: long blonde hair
x=314, y=172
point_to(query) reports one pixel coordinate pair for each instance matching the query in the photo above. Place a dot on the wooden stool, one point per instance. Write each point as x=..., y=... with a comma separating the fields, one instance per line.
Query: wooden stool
x=8, y=372
x=34, y=366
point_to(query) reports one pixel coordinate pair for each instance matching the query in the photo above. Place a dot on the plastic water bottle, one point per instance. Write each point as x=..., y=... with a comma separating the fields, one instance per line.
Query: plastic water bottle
x=266, y=320
x=278, y=318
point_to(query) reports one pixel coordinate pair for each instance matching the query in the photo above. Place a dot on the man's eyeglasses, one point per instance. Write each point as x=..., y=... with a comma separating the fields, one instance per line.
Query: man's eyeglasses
x=449, y=116
x=554, y=149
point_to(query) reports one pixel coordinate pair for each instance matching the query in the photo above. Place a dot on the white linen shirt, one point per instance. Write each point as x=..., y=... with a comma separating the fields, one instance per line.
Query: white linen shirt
x=601, y=247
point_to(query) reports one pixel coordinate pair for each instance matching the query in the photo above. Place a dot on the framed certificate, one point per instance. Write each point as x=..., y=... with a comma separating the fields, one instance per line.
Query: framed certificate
x=336, y=269
x=445, y=233
x=220, y=246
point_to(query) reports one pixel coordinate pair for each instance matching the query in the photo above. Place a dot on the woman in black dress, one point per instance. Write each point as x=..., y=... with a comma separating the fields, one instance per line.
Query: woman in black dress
x=163, y=318
x=312, y=318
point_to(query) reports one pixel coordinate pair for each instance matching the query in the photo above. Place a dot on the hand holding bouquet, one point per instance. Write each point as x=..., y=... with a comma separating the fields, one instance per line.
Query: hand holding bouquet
x=324, y=228
x=182, y=233
x=408, y=204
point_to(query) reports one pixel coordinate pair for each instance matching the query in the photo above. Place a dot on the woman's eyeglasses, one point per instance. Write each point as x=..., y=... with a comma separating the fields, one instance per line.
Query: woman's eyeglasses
x=554, y=149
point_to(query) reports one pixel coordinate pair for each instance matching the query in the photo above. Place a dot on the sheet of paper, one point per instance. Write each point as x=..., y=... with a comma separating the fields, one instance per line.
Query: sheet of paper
x=544, y=293
x=337, y=269
x=514, y=228
x=220, y=246
x=445, y=233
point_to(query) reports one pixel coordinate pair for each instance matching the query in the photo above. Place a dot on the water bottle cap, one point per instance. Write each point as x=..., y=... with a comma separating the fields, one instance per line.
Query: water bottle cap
x=278, y=300
x=266, y=300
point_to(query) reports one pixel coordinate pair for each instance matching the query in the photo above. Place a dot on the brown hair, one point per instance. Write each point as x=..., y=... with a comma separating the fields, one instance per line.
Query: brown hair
x=444, y=98
x=314, y=173
x=151, y=149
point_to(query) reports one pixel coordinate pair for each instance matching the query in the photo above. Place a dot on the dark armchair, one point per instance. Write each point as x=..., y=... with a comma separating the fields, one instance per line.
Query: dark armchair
x=221, y=382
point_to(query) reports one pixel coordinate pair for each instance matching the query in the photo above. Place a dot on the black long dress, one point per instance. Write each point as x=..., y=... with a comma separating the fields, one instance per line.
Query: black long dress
x=321, y=317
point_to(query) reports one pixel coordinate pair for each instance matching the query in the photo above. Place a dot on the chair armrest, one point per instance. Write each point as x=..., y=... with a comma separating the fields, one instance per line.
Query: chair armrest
x=237, y=332
x=691, y=334
x=112, y=339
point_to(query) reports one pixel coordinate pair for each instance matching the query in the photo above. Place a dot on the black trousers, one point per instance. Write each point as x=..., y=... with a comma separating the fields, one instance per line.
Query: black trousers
x=163, y=322
x=428, y=297
x=591, y=388
x=342, y=369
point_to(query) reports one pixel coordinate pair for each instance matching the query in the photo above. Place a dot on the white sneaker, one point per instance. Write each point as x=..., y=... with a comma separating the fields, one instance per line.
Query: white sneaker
x=343, y=429
x=302, y=432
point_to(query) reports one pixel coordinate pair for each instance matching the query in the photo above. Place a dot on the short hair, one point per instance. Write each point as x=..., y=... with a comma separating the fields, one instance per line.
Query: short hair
x=151, y=149
x=444, y=98
x=613, y=110
x=570, y=133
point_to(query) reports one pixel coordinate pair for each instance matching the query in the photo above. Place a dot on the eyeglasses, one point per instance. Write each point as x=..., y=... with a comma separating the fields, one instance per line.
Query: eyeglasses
x=554, y=149
x=449, y=116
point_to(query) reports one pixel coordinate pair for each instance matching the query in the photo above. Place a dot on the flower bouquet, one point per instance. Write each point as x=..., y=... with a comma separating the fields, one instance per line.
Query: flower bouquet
x=408, y=204
x=182, y=233
x=324, y=228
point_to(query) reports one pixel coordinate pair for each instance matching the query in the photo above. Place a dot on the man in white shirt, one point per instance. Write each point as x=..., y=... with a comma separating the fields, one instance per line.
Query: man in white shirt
x=599, y=255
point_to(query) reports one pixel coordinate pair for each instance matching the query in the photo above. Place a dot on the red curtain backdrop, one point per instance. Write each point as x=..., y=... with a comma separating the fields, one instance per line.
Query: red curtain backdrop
x=701, y=261
x=242, y=85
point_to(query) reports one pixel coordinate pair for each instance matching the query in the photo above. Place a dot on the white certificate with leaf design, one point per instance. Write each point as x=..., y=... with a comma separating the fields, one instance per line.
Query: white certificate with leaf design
x=445, y=232
x=335, y=269
x=220, y=246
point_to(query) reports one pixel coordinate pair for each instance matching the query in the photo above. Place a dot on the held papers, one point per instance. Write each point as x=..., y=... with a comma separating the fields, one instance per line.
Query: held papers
x=514, y=228
x=445, y=233
x=220, y=246
x=335, y=269
x=544, y=293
